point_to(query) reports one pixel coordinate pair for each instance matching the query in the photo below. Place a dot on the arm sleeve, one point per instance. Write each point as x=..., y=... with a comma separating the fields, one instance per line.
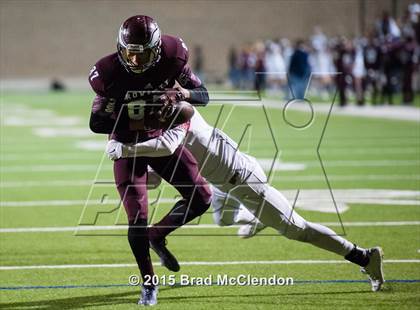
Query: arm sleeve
x=164, y=145
x=199, y=94
x=101, y=116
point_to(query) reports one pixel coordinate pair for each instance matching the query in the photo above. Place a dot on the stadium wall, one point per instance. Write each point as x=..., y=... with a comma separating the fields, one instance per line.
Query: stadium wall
x=45, y=39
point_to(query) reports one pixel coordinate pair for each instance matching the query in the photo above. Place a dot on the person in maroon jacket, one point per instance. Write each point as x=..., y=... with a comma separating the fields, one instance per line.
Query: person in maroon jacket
x=344, y=57
x=408, y=58
x=372, y=60
x=146, y=62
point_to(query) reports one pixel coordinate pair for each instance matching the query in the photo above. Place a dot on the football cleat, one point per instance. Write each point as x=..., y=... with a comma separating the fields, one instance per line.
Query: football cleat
x=374, y=269
x=167, y=259
x=251, y=229
x=148, y=296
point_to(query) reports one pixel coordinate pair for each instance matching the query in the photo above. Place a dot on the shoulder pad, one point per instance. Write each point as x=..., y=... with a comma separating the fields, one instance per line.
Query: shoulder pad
x=174, y=47
x=102, y=73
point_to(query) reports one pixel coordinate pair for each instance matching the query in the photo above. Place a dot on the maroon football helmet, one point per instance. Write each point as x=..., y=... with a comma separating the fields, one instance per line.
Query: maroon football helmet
x=139, y=39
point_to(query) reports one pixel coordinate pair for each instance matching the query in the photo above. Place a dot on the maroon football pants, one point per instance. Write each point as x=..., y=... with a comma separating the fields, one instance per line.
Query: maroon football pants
x=179, y=169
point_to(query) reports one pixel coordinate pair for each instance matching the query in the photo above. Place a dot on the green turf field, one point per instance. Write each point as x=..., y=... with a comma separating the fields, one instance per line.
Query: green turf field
x=50, y=160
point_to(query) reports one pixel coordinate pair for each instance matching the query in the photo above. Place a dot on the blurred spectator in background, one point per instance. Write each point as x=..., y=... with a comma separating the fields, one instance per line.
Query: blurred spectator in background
x=391, y=68
x=414, y=10
x=387, y=28
x=344, y=58
x=287, y=50
x=57, y=85
x=234, y=72
x=320, y=60
x=409, y=54
x=409, y=60
x=299, y=71
x=358, y=71
x=383, y=63
x=259, y=67
x=198, y=64
x=246, y=66
x=275, y=66
x=372, y=61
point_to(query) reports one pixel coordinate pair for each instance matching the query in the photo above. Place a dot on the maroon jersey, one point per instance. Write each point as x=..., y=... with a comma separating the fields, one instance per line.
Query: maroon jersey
x=120, y=94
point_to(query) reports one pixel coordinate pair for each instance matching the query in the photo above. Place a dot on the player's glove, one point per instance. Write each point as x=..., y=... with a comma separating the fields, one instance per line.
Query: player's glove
x=166, y=103
x=114, y=149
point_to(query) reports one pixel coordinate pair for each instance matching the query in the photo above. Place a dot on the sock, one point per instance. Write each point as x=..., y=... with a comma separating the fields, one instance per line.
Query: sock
x=179, y=215
x=358, y=256
x=139, y=243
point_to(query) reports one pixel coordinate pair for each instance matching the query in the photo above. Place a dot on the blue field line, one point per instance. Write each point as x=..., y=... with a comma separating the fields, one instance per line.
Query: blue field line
x=35, y=287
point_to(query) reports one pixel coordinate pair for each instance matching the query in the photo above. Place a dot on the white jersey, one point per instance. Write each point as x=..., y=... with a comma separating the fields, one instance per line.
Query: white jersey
x=216, y=153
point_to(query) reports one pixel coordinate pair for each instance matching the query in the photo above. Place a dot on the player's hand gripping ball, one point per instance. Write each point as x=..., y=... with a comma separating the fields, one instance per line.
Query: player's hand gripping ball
x=172, y=109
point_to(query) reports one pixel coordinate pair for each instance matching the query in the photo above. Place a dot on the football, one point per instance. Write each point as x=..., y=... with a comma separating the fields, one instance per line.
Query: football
x=183, y=112
x=171, y=115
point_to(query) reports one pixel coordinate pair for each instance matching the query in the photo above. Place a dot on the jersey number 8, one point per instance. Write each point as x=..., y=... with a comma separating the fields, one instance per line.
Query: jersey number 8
x=136, y=109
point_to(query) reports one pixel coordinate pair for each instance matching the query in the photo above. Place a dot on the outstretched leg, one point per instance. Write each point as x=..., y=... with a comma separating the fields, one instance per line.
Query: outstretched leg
x=181, y=171
x=274, y=210
x=130, y=178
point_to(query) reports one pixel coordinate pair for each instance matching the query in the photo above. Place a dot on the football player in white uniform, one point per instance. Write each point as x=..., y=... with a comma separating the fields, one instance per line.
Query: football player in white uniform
x=239, y=175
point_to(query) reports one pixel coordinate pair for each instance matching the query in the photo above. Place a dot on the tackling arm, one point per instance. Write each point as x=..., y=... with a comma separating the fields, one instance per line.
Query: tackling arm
x=164, y=145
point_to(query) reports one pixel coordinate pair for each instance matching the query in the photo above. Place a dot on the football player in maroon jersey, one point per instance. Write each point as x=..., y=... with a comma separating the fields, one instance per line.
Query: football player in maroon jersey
x=147, y=61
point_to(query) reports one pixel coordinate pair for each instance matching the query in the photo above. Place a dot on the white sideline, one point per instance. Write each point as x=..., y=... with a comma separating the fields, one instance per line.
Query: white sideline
x=273, y=262
x=307, y=178
x=100, y=145
x=265, y=163
x=404, y=113
x=50, y=203
x=335, y=177
x=63, y=203
x=200, y=226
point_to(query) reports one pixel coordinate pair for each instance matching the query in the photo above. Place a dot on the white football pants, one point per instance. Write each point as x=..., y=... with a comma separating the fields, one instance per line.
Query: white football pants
x=251, y=190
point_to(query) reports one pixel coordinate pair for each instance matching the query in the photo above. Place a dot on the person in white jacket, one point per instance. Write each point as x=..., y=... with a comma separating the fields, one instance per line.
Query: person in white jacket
x=239, y=176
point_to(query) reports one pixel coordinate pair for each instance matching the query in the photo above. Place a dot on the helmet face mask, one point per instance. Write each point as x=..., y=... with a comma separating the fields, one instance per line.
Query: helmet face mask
x=139, y=43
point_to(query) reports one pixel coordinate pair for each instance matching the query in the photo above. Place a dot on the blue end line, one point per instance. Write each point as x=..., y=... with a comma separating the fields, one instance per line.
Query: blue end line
x=35, y=287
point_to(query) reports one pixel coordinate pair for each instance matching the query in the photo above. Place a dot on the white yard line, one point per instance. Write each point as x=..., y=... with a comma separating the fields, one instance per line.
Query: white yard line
x=204, y=263
x=59, y=203
x=99, y=147
x=363, y=163
x=307, y=199
x=54, y=203
x=51, y=168
x=55, y=156
x=360, y=178
x=49, y=183
x=200, y=226
x=405, y=113
x=279, y=166
x=264, y=162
